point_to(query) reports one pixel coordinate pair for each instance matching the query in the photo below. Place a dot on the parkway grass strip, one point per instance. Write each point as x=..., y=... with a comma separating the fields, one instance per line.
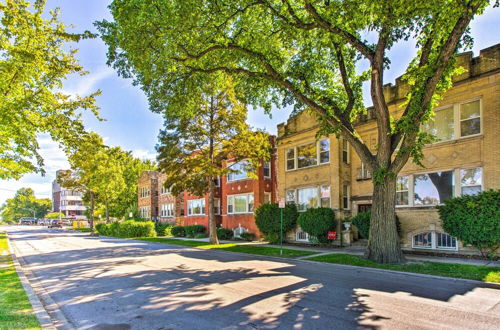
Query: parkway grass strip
x=15, y=307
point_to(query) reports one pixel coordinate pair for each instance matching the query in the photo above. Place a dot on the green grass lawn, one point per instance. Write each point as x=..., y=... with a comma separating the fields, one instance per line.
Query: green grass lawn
x=479, y=273
x=15, y=308
x=232, y=247
x=83, y=230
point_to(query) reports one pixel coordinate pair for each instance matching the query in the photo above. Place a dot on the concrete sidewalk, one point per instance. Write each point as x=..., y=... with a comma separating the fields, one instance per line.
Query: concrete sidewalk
x=357, y=251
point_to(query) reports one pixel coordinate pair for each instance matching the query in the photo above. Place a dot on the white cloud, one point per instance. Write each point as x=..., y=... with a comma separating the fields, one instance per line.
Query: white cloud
x=84, y=85
x=144, y=154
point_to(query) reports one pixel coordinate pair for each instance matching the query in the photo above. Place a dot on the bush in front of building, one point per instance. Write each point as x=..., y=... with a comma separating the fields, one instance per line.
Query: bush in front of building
x=178, y=231
x=129, y=228
x=163, y=229
x=224, y=233
x=317, y=222
x=267, y=218
x=474, y=220
x=192, y=231
x=204, y=235
x=362, y=222
x=247, y=236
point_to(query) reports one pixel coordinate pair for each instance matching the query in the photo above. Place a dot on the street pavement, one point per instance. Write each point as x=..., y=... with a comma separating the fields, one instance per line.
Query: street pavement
x=109, y=283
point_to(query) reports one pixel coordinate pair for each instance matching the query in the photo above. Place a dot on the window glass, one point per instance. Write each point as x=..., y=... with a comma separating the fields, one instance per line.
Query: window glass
x=445, y=241
x=216, y=205
x=470, y=181
x=345, y=197
x=433, y=188
x=325, y=196
x=230, y=204
x=307, y=198
x=290, y=159
x=306, y=155
x=240, y=204
x=402, y=190
x=267, y=169
x=442, y=126
x=324, y=151
x=196, y=207
x=290, y=197
x=267, y=198
x=423, y=240
x=470, y=121
x=345, y=151
x=250, y=203
x=241, y=168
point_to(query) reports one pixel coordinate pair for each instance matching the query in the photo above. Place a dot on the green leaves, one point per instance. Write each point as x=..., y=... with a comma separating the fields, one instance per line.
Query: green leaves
x=33, y=66
x=24, y=204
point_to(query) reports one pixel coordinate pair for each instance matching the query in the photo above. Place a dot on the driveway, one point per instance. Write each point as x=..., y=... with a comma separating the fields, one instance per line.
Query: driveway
x=107, y=283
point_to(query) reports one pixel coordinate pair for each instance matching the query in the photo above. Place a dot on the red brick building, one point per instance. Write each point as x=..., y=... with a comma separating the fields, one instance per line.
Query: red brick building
x=147, y=195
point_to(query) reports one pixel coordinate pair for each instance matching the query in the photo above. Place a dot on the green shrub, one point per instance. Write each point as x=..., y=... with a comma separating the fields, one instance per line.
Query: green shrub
x=178, y=231
x=247, y=236
x=204, y=235
x=224, y=233
x=318, y=222
x=192, y=231
x=267, y=218
x=163, y=229
x=129, y=228
x=362, y=222
x=474, y=220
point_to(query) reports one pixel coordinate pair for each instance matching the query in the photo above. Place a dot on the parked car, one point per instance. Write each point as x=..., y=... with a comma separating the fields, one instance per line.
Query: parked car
x=66, y=222
x=27, y=221
x=55, y=224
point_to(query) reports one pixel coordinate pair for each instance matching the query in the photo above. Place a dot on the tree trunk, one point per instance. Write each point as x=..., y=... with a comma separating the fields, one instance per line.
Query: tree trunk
x=212, y=225
x=91, y=211
x=383, y=244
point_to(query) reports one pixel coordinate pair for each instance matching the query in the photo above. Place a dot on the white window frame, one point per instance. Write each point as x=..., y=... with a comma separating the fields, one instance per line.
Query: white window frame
x=318, y=194
x=318, y=155
x=346, y=149
x=164, y=190
x=229, y=175
x=266, y=165
x=217, y=206
x=230, y=202
x=190, y=209
x=409, y=180
x=457, y=189
x=346, y=196
x=434, y=241
x=298, y=234
x=456, y=119
x=167, y=210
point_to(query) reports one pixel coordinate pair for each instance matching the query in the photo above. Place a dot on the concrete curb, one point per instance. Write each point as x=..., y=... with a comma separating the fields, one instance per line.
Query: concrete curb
x=46, y=309
x=38, y=308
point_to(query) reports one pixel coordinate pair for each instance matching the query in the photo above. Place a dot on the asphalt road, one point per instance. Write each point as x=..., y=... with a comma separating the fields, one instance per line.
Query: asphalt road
x=105, y=283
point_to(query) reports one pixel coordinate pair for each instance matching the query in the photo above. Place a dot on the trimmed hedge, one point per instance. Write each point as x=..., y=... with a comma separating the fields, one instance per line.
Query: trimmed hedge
x=129, y=228
x=362, y=222
x=474, y=220
x=192, y=231
x=267, y=218
x=318, y=222
x=163, y=229
x=178, y=231
x=247, y=236
x=224, y=233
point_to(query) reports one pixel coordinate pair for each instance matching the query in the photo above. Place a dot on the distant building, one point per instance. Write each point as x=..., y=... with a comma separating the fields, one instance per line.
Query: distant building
x=67, y=201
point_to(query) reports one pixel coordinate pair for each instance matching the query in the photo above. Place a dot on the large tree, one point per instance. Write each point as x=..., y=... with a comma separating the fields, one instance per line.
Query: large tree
x=34, y=62
x=24, y=204
x=209, y=132
x=305, y=53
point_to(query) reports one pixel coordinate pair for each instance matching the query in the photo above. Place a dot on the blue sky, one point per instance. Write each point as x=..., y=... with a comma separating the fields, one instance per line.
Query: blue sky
x=130, y=124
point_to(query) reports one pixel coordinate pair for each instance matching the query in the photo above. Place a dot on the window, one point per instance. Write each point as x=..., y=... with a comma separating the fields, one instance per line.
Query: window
x=311, y=154
x=267, y=169
x=241, y=171
x=345, y=151
x=434, y=240
x=216, y=206
x=164, y=190
x=364, y=173
x=443, y=126
x=290, y=197
x=240, y=203
x=217, y=182
x=455, y=121
x=402, y=190
x=290, y=159
x=471, y=181
x=145, y=212
x=346, y=198
x=267, y=198
x=144, y=192
x=324, y=151
x=325, y=196
x=301, y=236
x=433, y=188
x=306, y=155
x=196, y=207
x=470, y=120
x=307, y=198
x=167, y=210
x=423, y=240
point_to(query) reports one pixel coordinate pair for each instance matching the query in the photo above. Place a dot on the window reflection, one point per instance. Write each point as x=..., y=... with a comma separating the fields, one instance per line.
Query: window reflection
x=433, y=188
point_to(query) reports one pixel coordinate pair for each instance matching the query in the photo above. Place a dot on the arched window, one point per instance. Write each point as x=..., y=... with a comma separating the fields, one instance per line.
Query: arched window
x=445, y=241
x=434, y=240
x=423, y=240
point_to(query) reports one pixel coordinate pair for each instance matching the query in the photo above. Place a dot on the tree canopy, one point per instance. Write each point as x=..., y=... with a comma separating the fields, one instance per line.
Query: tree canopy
x=24, y=204
x=304, y=53
x=34, y=62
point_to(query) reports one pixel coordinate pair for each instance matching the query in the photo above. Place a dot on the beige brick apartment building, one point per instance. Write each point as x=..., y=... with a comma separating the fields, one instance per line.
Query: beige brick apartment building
x=327, y=172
